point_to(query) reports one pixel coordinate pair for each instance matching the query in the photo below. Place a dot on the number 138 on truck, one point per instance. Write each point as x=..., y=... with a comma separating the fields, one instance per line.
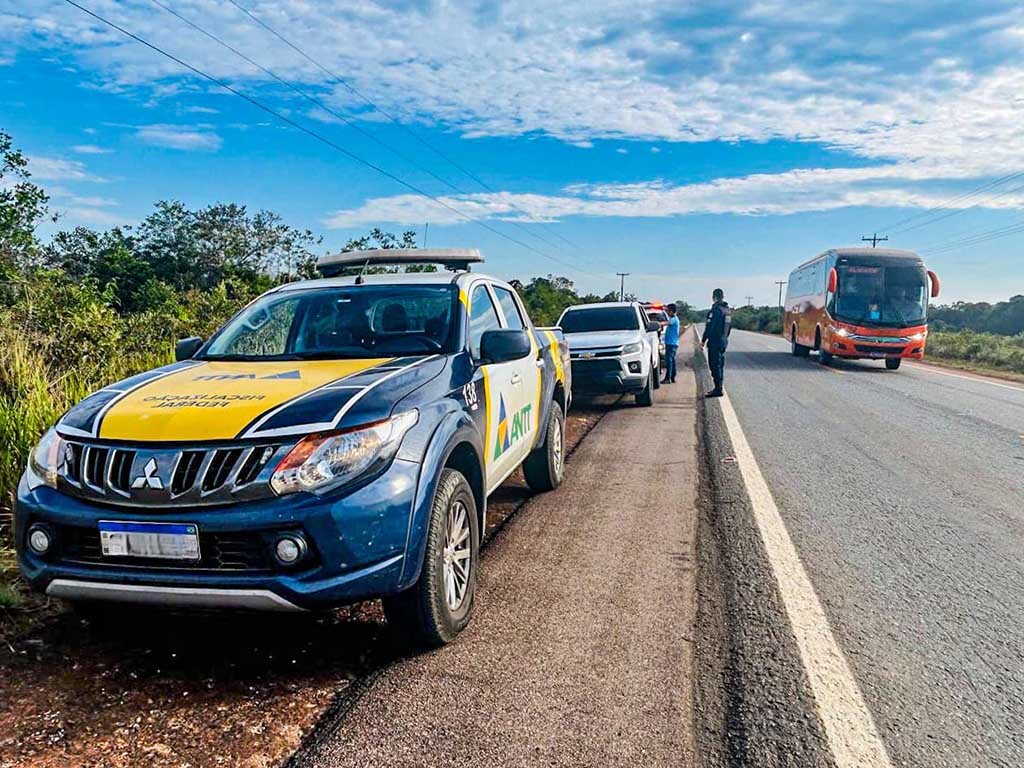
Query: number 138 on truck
x=335, y=441
x=860, y=303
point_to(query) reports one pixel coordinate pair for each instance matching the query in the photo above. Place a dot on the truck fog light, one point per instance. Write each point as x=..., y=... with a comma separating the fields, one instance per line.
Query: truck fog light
x=634, y=367
x=290, y=549
x=39, y=539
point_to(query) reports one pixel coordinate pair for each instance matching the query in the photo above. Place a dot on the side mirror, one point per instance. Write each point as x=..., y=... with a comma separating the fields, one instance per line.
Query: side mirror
x=503, y=346
x=186, y=349
x=833, y=280
x=653, y=326
x=935, y=284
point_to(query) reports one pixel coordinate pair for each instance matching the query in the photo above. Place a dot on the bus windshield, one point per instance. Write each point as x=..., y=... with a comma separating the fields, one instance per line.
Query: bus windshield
x=884, y=295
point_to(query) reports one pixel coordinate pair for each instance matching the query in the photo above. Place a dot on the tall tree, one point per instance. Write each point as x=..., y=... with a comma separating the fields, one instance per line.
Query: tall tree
x=23, y=205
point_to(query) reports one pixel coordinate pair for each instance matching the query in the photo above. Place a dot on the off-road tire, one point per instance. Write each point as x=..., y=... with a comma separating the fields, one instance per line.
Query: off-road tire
x=645, y=397
x=420, y=616
x=545, y=466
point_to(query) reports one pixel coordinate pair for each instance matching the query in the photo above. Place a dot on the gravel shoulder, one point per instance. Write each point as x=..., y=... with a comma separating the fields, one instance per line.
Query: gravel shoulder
x=581, y=651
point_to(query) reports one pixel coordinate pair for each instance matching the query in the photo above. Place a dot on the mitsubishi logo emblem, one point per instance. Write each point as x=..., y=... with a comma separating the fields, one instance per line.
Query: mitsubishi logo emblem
x=149, y=477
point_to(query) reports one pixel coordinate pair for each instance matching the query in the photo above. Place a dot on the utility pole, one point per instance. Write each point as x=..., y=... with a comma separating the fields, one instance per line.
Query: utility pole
x=780, y=283
x=875, y=239
x=622, y=284
x=426, y=228
x=750, y=301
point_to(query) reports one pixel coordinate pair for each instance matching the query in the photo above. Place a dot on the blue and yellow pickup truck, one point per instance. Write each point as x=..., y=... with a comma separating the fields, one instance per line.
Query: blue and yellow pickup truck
x=335, y=441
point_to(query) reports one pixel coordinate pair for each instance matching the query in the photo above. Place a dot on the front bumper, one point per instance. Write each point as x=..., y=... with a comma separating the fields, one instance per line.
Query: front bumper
x=608, y=375
x=357, y=542
x=871, y=350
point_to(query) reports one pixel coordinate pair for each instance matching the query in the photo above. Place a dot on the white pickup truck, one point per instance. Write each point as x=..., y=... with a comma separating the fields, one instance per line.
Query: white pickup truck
x=614, y=349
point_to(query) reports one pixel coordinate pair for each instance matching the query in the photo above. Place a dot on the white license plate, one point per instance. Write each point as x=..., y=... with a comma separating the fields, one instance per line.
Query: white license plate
x=171, y=541
x=877, y=354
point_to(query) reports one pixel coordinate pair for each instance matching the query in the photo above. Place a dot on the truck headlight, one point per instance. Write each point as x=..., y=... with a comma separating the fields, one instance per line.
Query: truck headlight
x=320, y=463
x=45, y=459
x=632, y=349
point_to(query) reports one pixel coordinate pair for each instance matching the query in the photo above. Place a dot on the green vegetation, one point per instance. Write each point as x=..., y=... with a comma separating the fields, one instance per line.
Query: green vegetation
x=763, y=319
x=978, y=350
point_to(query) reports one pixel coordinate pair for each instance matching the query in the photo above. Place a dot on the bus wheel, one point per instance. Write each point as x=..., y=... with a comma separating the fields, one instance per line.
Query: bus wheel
x=893, y=363
x=825, y=358
x=799, y=350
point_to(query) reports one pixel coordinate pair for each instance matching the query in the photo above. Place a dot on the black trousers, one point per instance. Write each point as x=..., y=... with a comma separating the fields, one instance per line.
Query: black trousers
x=716, y=361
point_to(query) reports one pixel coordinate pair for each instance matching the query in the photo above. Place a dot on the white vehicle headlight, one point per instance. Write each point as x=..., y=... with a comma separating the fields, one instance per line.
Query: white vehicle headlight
x=632, y=349
x=919, y=336
x=839, y=331
x=45, y=459
x=320, y=463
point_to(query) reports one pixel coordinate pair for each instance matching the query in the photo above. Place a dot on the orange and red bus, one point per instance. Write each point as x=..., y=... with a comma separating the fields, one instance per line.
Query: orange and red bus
x=860, y=303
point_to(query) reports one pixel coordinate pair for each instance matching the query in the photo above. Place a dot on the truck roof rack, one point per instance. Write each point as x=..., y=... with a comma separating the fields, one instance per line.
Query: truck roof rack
x=450, y=258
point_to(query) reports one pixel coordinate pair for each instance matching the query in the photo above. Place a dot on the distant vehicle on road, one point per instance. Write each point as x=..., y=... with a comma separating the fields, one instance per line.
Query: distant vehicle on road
x=860, y=303
x=614, y=349
x=656, y=311
x=335, y=441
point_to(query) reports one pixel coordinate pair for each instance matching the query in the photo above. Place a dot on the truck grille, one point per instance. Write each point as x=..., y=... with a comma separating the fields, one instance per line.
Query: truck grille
x=591, y=367
x=170, y=477
x=868, y=349
x=233, y=551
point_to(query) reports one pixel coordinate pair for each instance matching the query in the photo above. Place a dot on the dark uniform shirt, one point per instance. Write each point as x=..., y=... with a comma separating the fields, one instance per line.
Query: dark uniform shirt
x=719, y=324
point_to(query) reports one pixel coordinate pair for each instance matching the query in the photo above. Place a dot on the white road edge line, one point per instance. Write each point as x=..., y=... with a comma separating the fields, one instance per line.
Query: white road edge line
x=979, y=379
x=849, y=727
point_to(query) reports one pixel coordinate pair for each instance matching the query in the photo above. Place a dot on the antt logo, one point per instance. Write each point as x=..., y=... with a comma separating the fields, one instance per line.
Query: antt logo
x=514, y=431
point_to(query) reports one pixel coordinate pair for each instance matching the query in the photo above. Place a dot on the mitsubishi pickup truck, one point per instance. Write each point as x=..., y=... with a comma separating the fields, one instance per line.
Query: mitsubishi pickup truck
x=334, y=441
x=614, y=349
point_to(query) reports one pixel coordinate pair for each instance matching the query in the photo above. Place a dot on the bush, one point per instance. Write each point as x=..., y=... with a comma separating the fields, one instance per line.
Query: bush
x=988, y=350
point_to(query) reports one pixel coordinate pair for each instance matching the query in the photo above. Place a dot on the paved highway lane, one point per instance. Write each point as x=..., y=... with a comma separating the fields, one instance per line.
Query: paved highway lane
x=903, y=492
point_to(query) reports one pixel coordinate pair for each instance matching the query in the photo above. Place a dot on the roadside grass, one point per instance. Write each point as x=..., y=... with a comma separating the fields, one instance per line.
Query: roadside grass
x=983, y=352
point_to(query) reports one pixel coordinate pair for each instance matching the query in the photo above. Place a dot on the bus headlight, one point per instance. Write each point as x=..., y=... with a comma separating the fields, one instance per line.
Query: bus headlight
x=839, y=331
x=919, y=336
x=320, y=463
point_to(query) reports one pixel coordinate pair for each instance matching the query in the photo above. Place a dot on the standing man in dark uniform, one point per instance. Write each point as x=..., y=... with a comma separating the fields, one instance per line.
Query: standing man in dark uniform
x=716, y=338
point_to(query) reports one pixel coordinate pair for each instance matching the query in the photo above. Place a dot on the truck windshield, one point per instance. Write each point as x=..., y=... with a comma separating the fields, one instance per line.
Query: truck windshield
x=348, y=322
x=877, y=294
x=599, y=319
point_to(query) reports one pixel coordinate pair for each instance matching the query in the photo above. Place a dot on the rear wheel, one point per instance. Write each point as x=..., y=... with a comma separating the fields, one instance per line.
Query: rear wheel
x=645, y=397
x=545, y=466
x=799, y=350
x=657, y=377
x=893, y=363
x=438, y=606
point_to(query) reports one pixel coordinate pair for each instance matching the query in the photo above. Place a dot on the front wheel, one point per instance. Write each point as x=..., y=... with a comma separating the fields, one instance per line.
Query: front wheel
x=545, y=466
x=657, y=377
x=438, y=606
x=645, y=397
x=825, y=358
x=893, y=363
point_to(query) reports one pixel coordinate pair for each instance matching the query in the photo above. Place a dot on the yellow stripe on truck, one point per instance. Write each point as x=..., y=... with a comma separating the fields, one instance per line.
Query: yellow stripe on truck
x=217, y=400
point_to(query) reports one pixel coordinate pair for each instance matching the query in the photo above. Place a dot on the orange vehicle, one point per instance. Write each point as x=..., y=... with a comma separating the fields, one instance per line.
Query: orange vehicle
x=860, y=303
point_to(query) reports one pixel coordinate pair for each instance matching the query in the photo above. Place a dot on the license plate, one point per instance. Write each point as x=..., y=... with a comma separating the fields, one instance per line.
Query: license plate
x=171, y=541
x=877, y=354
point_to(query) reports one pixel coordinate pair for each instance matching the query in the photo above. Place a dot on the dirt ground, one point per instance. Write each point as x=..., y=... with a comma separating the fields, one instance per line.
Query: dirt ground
x=141, y=688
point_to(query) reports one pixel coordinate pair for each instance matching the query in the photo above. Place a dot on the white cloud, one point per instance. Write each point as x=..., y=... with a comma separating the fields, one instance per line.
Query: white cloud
x=59, y=169
x=90, y=149
x=184, y=137
x=755, y=195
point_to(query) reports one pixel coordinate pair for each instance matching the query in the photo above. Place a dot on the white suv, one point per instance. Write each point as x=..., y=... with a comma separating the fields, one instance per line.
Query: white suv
x=614, y=349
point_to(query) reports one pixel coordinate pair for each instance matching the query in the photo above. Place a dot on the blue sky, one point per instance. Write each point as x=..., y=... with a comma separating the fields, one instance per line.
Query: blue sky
x=691, y=144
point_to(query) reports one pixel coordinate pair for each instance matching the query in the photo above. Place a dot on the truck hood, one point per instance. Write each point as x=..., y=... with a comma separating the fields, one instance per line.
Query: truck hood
x=601, y=339
x=198, y=401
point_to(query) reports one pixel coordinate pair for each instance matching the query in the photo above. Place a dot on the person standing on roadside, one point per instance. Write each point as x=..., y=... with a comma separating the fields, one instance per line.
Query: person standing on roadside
x=671, y=344
x=716, y=339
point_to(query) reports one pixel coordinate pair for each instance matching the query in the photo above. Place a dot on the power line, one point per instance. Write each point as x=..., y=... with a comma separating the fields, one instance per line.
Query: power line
x=323, y=139
x=351, y=89
x=319, y=103
x=987, y=198
x=891, y=229
x=874, y=239
x=976, y=239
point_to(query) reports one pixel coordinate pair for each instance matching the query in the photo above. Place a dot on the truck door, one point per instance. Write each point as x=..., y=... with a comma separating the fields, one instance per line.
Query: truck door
x=502, y=388
x=529, y=378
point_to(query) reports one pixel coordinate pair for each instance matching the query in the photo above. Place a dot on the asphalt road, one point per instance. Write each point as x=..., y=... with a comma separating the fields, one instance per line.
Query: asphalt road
x=902, y=492
x=581, y=648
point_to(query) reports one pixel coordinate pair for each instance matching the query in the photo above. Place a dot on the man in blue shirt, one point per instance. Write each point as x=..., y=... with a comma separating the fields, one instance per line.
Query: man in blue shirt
x=671, y=344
